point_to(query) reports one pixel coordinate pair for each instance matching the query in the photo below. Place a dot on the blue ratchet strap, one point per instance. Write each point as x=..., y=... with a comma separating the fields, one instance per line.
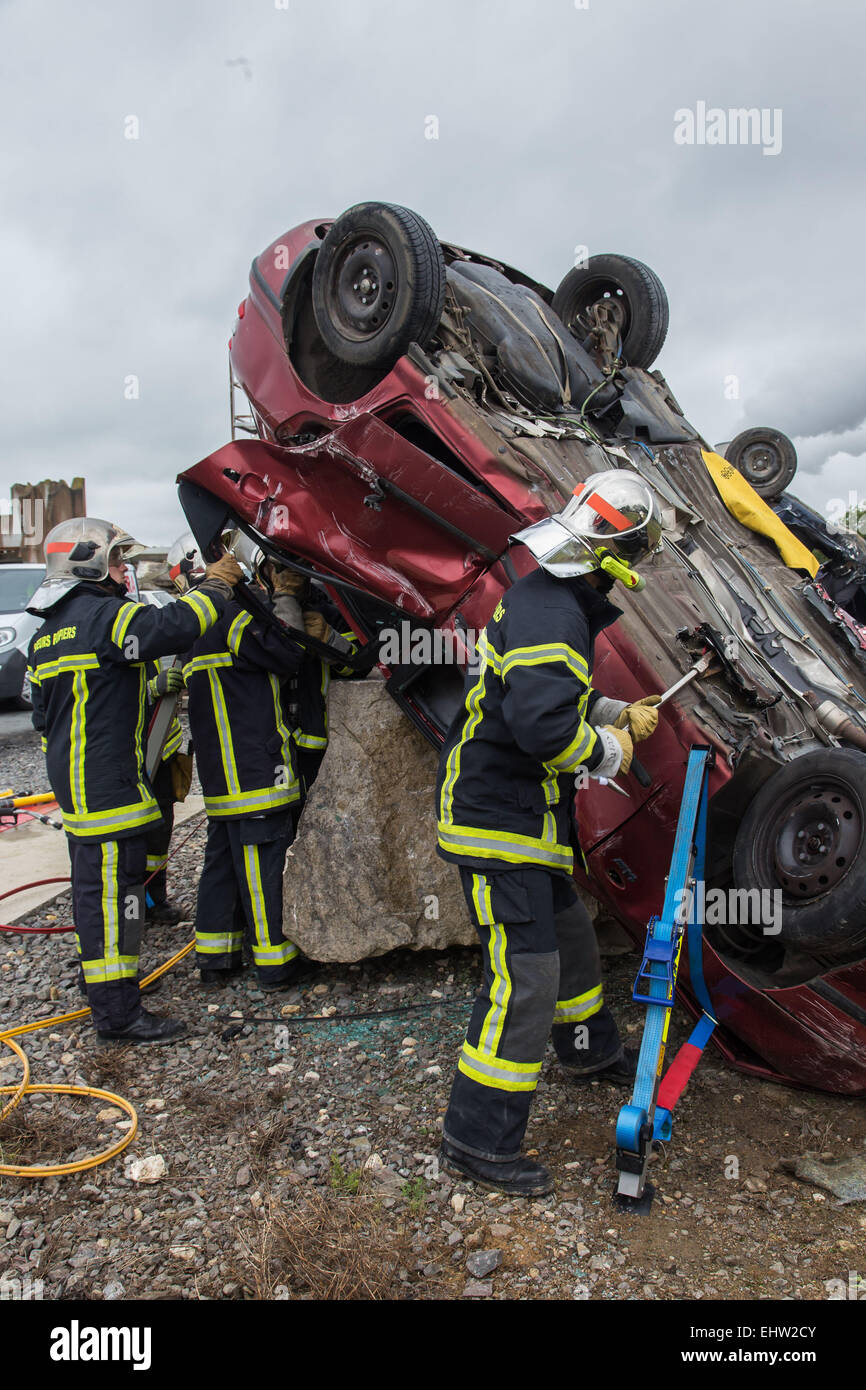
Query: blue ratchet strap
x=639, y=1122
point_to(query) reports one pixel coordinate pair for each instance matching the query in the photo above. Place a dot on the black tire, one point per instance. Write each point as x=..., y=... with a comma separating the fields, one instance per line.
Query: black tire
x=640, y=292
x=378, y=284
x=814, y=807
x=766, y=458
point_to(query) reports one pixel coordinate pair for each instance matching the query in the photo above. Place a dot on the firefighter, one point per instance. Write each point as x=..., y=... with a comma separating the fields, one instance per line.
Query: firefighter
x=243, y=748
x=88, y=672
x=305, y=606
x=530, y=729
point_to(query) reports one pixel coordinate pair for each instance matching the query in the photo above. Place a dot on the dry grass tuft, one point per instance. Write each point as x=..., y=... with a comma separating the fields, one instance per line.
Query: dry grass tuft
x=43, y=1133
x=323, y=1246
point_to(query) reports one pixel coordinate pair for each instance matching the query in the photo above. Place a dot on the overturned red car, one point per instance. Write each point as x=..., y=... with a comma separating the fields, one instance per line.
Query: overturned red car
x=413, y=404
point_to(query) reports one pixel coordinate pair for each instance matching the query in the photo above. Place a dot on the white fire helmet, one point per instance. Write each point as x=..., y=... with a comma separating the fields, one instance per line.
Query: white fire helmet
x=185, y=563
x=76, y=551
x=612, y=523
x=248, y=554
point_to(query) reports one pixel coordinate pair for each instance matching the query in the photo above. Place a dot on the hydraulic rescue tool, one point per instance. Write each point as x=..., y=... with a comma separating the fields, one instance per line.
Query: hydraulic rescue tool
x=161, y=722
x=648, y=1118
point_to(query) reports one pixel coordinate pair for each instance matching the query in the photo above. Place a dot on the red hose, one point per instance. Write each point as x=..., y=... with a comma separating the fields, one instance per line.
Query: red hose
x=34, y=931
x=38, y=882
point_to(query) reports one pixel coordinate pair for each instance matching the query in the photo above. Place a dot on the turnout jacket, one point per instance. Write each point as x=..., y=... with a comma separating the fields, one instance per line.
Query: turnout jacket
x=506, y=776
x=88, y=669
x=243, y=744
x=306, y=693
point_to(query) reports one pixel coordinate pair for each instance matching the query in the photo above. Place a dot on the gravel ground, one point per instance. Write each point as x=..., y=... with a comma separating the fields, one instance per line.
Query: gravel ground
x=299, y=1135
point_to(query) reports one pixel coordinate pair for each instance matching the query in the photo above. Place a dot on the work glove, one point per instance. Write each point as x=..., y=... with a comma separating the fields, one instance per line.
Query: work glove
x=286, y=581
x=316, y=626
x=167, y=682
x=222, y=575
x=639, y=718
x=288, y=610
x=624, y=739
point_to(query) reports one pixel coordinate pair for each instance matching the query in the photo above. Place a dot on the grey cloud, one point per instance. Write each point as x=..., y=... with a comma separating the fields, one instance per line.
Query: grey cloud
x=556, y=128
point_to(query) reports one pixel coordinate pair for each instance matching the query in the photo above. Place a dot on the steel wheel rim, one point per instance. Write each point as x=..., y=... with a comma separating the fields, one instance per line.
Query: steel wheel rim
x=814, y=837
x=363, y=287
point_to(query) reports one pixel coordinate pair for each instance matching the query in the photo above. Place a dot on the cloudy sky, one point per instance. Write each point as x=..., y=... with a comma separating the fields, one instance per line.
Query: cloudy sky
x=127, y=257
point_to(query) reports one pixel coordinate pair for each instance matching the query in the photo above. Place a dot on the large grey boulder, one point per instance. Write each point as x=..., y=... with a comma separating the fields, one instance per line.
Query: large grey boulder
x=363, y=876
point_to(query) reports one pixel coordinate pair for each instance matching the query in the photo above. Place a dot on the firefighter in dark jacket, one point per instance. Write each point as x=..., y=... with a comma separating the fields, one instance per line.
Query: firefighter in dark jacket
x=531, y=728
x=243, y=748
x=300, y=604
x=88, y=672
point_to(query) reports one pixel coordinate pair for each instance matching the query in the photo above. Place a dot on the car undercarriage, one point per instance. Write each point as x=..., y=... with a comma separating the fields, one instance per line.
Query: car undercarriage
x=411, y=405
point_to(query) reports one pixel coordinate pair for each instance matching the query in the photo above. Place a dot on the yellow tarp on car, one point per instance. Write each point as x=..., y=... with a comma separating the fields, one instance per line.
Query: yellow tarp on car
x=743, y=502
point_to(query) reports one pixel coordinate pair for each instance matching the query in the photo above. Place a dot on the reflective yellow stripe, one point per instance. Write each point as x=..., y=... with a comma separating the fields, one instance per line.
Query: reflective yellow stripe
x=477, y=843
x=236, y=631
x=33, y=675
x=173, y=742
x=110, y=935
x=77, y=741
x=218, y=943
x=125, y=615
x=207, y=663
x=313, y=741
x=265, y=951
x=139, y=732
x=283, y=730
x=500, y=985
x=155, y=862
x=203, y=609
x=275, y=955
x=496, y=1072
x=65, y=665
x=131, y=817
x=100, y=972
x=354, y=648
x=224, y=729
x=246, y=803
x=541, y=655
x=580, y=1007
x=577, y=751
x=470, y=727
x=253, y=874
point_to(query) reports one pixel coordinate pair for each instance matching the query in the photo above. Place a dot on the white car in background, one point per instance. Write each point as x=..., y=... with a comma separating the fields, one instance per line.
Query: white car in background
x=18, y=584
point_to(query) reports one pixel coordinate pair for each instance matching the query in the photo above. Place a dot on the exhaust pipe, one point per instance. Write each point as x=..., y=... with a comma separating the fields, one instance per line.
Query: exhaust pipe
x=836, y=721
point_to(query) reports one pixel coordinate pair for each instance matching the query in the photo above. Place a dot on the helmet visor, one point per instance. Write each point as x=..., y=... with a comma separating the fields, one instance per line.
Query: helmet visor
x=621, y=517
x=556, y=549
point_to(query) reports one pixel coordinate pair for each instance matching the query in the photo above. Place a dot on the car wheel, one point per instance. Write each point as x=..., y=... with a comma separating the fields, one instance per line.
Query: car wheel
x=766, y=458
x=378, y=284
x=804, y=836
x=639, y=292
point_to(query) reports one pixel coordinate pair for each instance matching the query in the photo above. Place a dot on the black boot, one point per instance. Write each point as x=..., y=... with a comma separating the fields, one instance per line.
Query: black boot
x=519, y=1177
x=621, y=1071
x=145, y=1028
x=295, y=971
x=164, y=913
x=217, y=979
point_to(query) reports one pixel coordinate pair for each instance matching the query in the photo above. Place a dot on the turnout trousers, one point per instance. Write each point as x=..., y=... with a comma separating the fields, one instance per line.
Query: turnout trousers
x=240, y=894
x=542, y=977
x=159, y=835
x=108, y=906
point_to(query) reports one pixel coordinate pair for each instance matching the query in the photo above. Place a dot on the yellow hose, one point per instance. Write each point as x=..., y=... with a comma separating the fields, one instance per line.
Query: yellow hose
x=24, y=1088
x=42, y=799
